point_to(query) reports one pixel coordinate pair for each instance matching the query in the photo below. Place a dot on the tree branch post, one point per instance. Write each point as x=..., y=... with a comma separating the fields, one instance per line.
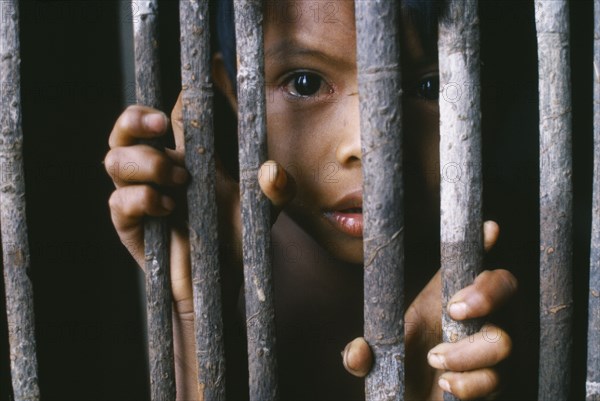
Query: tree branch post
x=256, y=214
x=593, y=333
x=380, y=92
x=197, y=98
x=156, y=231
x=461, y=221
x=556, y=199
x=15, y=243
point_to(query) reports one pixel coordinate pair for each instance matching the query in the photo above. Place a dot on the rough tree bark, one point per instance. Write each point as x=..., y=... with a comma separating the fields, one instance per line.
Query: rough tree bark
x=156, y=231
x=15, y=245
x=197, y=97
x=379, y=87
x=256, y=227
x=556, y=305
x=593, y=339
x=461, y=235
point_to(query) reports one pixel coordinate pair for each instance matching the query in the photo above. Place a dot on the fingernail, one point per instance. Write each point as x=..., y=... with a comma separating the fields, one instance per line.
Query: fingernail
x=167, y=203
x=156, y=122
x=458, y=310
x=179, y=175
x=445, y=385
x=436, y=360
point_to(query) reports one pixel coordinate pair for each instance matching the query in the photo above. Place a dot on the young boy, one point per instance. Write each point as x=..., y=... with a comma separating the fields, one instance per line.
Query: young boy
x=313, y=179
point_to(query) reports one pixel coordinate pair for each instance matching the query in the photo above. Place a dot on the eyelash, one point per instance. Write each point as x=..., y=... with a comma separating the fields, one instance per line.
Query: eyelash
x=415, y=91
x=290, y=79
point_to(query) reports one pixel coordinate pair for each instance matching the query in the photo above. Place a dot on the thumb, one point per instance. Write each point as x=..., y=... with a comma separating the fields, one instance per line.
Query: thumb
x=177, y=123
x=491, y=232
x=277, y=184
x=357, y=357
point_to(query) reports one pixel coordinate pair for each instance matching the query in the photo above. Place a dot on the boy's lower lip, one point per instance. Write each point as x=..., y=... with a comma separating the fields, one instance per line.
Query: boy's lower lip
x=348, y=223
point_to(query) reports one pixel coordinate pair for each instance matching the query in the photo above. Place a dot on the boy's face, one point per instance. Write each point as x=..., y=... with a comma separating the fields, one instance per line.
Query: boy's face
x=313, y=120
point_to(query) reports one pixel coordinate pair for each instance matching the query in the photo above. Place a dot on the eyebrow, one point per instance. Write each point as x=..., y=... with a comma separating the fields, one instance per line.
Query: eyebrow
x=287, y=49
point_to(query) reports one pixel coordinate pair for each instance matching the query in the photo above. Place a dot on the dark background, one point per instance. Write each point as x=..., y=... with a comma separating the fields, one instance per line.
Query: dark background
x=89, y=325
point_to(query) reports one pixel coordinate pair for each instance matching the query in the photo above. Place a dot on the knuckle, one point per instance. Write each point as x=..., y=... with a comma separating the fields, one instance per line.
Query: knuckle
x=507, y=280
x=129, y=119
x=460, y=386
x=483, y=277
x=114, y=201
x=109, y=162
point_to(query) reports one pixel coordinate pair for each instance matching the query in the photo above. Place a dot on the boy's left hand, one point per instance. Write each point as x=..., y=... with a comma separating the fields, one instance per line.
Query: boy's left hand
x=464, y=368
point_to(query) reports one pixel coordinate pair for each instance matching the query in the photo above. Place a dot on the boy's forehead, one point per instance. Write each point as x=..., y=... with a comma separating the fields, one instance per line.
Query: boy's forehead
x=327, y=25
x=293, y=26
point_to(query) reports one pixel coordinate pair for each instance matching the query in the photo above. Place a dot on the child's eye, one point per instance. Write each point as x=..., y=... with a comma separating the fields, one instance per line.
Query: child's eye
x=304, y=84
x=429, y=87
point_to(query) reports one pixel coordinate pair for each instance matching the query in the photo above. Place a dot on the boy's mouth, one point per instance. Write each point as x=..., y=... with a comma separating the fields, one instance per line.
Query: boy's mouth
x=346, y=214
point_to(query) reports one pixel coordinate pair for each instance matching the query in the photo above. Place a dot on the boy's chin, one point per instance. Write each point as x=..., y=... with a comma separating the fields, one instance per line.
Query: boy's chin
x=349, y=252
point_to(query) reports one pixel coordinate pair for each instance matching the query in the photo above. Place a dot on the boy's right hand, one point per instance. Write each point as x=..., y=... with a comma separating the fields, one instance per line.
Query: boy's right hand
x=138, y=172
x=133, y=167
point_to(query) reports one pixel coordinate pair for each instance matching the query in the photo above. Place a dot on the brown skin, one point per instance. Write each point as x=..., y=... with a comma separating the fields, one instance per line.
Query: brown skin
x=315, y=142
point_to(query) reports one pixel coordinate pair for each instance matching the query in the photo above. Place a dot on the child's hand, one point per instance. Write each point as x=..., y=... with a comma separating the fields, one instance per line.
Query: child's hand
x=133, y=167
x=150, y=182
x=465, y=368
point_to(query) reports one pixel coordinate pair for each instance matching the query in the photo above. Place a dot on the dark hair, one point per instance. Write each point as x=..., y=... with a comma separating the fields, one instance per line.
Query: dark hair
x=425, y=16
x=423, y=13
x=225, y=35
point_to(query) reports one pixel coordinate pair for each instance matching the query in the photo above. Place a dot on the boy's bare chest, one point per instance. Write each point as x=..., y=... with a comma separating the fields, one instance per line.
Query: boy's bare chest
x=318, y=311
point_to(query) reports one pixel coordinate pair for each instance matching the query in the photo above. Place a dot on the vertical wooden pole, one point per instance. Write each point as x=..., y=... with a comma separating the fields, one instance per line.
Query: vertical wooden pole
x=256, y=226
x=379, y=87
x=156, y=231
x=461, y=233
x=593, y=335
x=556, y=305
x=15, y=245
x=197, y=97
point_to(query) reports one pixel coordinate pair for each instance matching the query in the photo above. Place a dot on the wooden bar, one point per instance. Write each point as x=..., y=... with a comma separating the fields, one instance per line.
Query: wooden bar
x=197, y=97
x=256, y=213
x=379, y=87
x=156, y=231
x=15, y=244
x=461, y=220
x=593, y=333
x=556, y=252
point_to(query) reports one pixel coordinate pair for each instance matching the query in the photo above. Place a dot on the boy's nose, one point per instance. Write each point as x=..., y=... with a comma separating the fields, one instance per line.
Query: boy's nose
x=348, y=150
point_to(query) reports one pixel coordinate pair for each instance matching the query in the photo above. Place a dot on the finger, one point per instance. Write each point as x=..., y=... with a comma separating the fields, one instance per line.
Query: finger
x=181, y=281
x=491, y=232
x=177, y=123
x=137, y=122
x=481, y=350
x=178, y=157
x=128, y=206
x=490, y=290
x=357, y=357
x=470, y=385
x=144, y=164
x=277, y=184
